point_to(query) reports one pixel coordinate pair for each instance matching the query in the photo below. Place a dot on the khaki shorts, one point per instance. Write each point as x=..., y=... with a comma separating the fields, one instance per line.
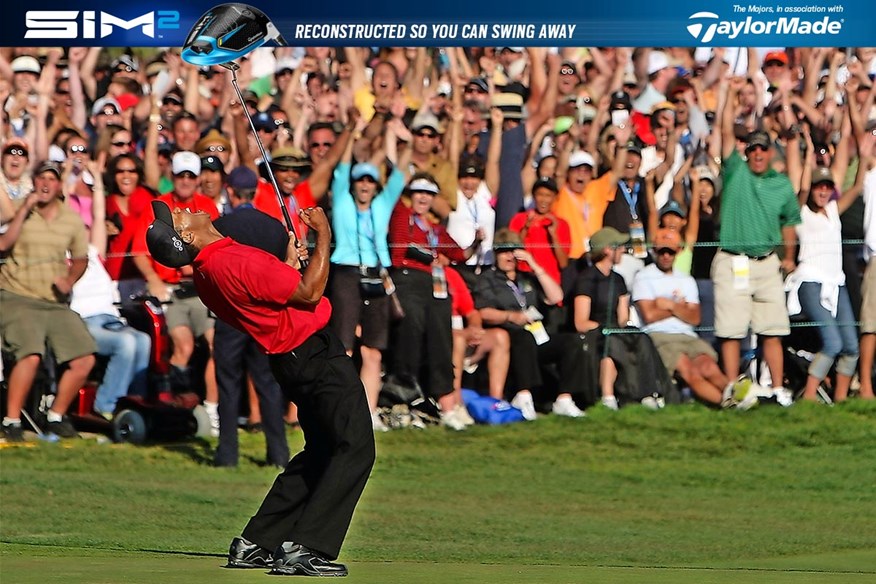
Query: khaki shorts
x=868, y=303
x=28, y=324
x=191, y=313
x=672, y=346
x=761, y=305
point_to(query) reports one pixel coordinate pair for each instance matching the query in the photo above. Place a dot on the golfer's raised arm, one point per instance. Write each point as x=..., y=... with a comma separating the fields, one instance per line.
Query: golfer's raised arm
x=313, y=280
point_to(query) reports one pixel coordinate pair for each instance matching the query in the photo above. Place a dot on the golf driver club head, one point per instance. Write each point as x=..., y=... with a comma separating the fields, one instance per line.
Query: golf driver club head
x=228, y=32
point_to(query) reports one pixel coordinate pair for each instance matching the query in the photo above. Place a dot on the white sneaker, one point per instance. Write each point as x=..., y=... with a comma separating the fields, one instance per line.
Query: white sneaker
x=650, y=402
x=565, y=406
x=523, y=402
x=377, y=424
x=610, y=402
x=452, y=420
x=462, y=414
x=784, y=396
x=213, y=414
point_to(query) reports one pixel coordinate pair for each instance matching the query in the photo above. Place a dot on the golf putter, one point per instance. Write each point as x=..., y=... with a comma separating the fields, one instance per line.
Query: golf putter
x=225, y=33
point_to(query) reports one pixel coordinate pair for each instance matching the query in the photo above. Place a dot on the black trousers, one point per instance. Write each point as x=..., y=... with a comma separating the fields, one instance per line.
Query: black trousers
x=567, y=351
x=235, y=354
x=312, y=501
x=424, y=332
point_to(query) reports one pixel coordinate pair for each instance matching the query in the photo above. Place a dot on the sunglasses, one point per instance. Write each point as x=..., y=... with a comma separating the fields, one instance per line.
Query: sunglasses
x=773, y=64
x=321, y=144
x=284, y=72
x=760, y=147
x=567, y=71
x=215, y=149
x=126, y=170
x=15, y=152
x=423, y=134
x=170, y=101
x=207, y=74
x=666, y=251
x=78, y=148
x=62, y=92
x=121, y=144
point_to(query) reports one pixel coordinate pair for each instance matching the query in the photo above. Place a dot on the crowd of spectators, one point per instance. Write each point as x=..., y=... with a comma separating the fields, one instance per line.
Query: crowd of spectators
x=584, y=221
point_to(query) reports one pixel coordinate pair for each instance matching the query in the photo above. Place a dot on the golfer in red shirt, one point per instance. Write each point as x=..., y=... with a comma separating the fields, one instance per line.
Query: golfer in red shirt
x=302, y=522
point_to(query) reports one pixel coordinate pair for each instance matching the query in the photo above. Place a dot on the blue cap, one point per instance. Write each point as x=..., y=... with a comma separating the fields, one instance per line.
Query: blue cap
x=365, y=169
x=673, y=207
x=242, y=177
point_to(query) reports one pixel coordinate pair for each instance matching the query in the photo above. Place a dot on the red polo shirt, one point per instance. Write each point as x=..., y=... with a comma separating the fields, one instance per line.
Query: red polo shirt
x=198, y=202
x=266, y=201
x=248, y=289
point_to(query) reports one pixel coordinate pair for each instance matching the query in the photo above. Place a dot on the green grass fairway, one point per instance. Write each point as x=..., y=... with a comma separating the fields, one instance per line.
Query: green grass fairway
x=685, y=495
x=62, y=566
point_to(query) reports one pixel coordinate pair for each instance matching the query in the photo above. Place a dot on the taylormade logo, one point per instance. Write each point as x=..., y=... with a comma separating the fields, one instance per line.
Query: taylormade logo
x=705, y=26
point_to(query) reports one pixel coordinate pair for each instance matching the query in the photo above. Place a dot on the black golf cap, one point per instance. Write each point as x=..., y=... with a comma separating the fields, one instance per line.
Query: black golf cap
x=164, y=243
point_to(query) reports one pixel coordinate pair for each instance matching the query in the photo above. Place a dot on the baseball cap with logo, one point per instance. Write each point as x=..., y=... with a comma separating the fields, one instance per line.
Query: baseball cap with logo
x=472, y=168
x=186, y=162
x=213, y=163
x=164, y=243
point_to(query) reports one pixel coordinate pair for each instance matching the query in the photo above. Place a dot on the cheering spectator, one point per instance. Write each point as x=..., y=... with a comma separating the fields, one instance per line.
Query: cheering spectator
x=420, y=251
x=758, y=211
x=35, y=282
x=360, y=221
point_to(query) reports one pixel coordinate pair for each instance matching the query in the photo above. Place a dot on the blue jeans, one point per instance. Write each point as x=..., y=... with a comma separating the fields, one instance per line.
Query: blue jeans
x=838, y=334
x=128, y=351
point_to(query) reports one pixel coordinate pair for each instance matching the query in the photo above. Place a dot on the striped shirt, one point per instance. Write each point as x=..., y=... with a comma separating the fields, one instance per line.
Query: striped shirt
x=755, y=208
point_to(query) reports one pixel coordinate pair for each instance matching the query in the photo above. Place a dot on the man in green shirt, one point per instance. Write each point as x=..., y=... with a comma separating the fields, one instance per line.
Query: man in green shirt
x=758, y=213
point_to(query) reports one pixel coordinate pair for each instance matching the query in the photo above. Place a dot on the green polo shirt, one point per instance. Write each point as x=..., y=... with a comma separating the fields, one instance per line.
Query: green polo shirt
x=40, y=253
x=755, y=208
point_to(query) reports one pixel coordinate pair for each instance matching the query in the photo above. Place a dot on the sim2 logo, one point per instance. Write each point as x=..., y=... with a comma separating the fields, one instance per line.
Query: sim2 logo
x=75, y=24
x=705, y=26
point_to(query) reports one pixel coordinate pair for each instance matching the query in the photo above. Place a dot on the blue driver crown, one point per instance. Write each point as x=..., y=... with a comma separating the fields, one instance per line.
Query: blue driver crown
x=228, y=32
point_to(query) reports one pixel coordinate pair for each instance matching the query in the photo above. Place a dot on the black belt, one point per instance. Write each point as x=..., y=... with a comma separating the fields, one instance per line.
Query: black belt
x=751, y=257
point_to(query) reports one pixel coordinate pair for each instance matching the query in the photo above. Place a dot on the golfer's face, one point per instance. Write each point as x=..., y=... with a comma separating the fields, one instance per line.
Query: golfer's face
x=185, y=220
